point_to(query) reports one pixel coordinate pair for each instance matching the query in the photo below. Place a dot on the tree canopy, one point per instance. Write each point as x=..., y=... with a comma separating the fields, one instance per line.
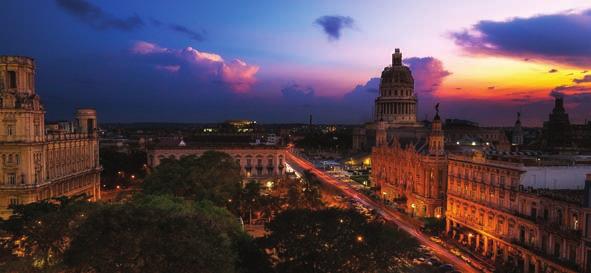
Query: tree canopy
x=335, y=240
x=147, y=234
x=214, y=176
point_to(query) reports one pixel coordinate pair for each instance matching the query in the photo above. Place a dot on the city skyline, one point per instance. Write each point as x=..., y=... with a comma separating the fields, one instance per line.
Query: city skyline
x=205, y=62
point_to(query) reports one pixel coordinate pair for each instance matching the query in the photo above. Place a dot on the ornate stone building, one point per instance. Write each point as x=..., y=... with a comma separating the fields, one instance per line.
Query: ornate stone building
x=497, y=211
x=37, y=163
x=411, y=173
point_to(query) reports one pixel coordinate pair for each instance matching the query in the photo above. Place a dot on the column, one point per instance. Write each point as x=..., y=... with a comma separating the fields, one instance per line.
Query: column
x=494, y=249
x=477, y=241
x=536, y=266
x=506, y=254
x=485, y=252
x=447, y=226
x=525, y=263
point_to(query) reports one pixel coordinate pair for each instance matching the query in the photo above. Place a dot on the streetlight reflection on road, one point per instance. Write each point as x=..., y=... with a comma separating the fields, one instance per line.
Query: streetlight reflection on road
x=388, y=213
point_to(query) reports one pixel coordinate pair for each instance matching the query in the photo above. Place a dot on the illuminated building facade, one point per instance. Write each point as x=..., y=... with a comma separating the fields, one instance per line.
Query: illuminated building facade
x=255, y=160
x=39, y=163
x=519, y=215
x=412, y=172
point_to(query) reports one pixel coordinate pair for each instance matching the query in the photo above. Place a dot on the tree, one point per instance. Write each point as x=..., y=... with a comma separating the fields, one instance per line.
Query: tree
x=156, y=234
x=434, y=225
x=214, y=176
x=334, y=240
x=40, y=231
x=311, y=190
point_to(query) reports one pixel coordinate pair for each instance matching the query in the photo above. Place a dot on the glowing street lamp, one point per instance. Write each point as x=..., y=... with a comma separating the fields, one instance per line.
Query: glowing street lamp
x=359, y=238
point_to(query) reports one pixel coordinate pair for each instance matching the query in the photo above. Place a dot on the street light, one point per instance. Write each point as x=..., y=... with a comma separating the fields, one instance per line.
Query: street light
x=359, y=238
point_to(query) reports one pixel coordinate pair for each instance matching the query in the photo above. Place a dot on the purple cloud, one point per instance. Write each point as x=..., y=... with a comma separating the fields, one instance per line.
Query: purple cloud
x=428, y=73
x=563, y=38
x=586, y=78
x=333, y=25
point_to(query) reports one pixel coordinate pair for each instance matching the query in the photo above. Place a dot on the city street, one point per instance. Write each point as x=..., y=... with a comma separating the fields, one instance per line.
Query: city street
x=389, y=214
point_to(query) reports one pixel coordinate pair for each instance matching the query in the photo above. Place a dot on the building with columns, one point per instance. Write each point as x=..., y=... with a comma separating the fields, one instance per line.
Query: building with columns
x=39, y=163
x=396, y=104
x=495, y=209
x=256, y=160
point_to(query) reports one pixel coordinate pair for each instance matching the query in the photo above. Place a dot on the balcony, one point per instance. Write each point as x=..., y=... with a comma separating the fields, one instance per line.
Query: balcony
x=560, y=261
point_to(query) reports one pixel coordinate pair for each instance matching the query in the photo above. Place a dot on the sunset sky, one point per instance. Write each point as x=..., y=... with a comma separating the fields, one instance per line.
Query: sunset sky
x=279, y=61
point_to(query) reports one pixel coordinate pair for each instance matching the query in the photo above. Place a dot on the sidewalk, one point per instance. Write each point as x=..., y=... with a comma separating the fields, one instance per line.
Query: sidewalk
x=469, y=253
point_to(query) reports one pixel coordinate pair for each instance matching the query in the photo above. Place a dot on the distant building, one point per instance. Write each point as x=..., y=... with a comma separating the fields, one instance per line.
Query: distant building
x=40, y=162
x=396, y=106
x=559, y=136
x=257, y=160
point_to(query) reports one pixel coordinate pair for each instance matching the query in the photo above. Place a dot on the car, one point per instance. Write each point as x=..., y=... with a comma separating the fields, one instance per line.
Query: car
x=446, y=268
x=455, y=251
x=419, y=260
x=435, y=239
x=465, y=259
x=434, y=262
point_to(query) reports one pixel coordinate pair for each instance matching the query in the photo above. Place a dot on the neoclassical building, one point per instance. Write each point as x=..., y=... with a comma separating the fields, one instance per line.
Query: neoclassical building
x=396, y=103
x=411, y=173
x=504, y=210
x=256, y=160
x=38, y=163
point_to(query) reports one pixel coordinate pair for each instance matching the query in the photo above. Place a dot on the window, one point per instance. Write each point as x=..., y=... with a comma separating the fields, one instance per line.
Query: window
x=11, y=79
x=9, y=130
x=12, y=179
x=13, y=201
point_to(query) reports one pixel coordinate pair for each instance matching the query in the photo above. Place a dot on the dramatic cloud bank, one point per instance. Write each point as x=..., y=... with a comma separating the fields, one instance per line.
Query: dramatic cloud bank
x=236, y=74
x=333, y=25
x=563, y=38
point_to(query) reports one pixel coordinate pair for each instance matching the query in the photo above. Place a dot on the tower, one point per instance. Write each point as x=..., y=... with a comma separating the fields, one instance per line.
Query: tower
x=436, y=138
x=517, y=133
x=381, y=135
x=557, y=130
x=396, y=103
x=86, y=119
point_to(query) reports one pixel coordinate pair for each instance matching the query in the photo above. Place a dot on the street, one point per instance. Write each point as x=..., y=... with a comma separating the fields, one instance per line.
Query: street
x=389, y=214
